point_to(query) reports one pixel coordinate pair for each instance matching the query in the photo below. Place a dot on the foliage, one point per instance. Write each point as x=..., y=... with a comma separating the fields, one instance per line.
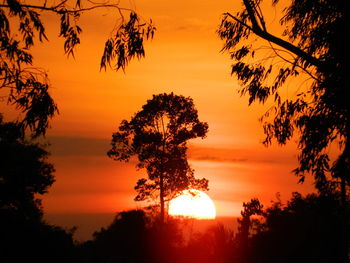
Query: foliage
x=25, y=172
x=157, y=135
x=26, y=86
x=30, y=239
x=313, y=46
x=134, y=236
x=122, y=241
x=307, y=229
x=247, y=224
x=131, y=237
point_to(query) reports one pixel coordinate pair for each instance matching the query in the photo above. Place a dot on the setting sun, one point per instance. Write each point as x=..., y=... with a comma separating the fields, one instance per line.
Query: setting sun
x=193, y=203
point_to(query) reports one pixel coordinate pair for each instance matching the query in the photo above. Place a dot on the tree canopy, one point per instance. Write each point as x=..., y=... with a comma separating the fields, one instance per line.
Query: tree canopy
x=313, y=46
x=158, y=136
x=25, y=172
x=26, y=86
x=305, y=228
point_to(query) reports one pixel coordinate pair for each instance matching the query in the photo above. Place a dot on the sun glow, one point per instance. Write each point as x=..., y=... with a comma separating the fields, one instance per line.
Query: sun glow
x=193, y=203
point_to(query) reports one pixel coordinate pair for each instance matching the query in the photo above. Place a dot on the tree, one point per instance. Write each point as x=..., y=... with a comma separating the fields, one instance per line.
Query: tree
x=312, y=47
x=25, y=173
x=157, y=135
x=27, y=86
x=124, y=240
x=246, y=223
x=307, y=229
x=132, y=237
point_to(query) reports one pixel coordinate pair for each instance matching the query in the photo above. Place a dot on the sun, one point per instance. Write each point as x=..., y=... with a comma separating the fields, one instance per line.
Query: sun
x=193, y=203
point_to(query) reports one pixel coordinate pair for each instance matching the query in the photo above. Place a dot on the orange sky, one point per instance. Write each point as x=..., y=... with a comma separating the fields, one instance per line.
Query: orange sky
x=183, y=58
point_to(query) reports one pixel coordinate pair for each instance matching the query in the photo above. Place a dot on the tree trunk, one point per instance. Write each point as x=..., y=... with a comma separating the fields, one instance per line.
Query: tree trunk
x=161, y=197
x=161, y=179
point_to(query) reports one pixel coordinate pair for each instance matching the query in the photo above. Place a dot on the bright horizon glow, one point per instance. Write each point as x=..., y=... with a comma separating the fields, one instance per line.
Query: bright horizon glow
x=193, y=203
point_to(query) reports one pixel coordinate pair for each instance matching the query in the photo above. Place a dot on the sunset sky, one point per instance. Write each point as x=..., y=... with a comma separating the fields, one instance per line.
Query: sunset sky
x=184, y=58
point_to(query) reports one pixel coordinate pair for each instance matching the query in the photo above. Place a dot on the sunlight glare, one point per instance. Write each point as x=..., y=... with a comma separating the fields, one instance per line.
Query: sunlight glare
x=193, y=203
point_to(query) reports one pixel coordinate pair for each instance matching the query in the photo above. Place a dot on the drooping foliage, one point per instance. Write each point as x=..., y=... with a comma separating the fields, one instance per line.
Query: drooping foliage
x=27, y=87
x=313, y=48
x=158, y=136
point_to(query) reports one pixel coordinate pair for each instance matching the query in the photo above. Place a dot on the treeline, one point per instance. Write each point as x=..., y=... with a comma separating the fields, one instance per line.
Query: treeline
x=305, y=229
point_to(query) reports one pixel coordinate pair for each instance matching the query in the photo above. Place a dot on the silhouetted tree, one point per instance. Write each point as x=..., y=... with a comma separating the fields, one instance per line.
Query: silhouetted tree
x=306, y=229
x=24, y=172
x=124, y=240
x=157, y=135
x=246, y=224
x=20, y=25
x=313, y=47
x=132, y=237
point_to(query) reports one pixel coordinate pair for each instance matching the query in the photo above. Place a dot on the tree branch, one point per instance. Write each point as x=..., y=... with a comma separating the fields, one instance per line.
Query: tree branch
x=239, y=21
x=263, y=33
x=56, y=10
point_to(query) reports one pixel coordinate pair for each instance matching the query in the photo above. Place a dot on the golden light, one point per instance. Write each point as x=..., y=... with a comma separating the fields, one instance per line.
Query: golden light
x=193, y=203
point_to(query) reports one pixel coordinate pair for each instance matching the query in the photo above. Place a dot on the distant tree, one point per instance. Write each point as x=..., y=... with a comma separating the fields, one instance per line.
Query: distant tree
x=25, y=172
x=157, y=135
x=26, y=86
x=132, y=237
x=313, y=46
x=123, y=240
x=306, y=229
x=246, y=224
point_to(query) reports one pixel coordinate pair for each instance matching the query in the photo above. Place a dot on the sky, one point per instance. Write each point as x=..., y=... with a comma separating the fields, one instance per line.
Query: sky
x=184, y=57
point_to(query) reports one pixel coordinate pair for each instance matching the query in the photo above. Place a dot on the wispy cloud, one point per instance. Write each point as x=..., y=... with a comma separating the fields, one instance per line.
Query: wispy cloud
x=78, y=146
x=84, y=146
x=233, y=155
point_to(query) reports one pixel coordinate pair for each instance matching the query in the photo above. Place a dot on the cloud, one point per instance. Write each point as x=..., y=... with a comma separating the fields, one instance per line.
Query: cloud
x=235, y=155
x=78, y=146
x=216, y=154
x=84, y=147
x=212, y=158
x=195, y=24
